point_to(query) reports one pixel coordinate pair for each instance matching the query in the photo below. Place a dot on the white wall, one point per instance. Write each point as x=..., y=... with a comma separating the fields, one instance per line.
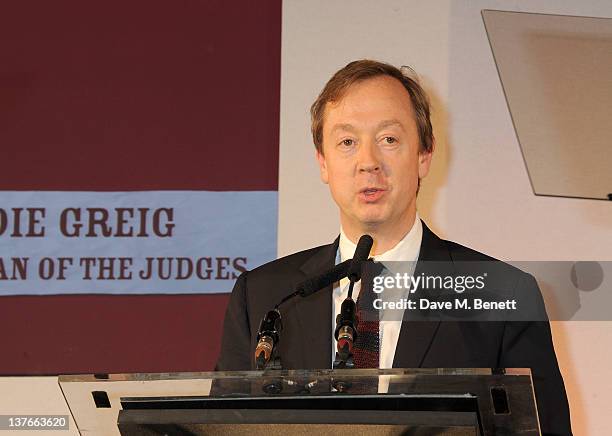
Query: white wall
x=35, y=396
x=318, y=38
x=478, y=191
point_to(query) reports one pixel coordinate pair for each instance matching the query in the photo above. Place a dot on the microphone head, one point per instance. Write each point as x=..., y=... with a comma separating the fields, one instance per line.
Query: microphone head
x=362, y=253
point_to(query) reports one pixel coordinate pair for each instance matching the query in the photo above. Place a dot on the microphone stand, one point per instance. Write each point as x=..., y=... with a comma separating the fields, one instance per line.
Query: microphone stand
x=346, y=321
x=346, y=331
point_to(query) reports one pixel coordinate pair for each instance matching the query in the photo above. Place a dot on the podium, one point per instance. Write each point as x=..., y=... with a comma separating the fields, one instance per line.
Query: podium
x=349, y=401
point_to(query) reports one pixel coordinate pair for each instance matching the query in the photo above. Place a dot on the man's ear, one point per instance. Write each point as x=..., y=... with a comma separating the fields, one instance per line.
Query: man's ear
x=322, y=166
x=425, y=161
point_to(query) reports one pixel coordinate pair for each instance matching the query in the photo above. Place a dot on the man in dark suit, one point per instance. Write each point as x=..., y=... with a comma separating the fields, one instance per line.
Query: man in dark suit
x=374, y=143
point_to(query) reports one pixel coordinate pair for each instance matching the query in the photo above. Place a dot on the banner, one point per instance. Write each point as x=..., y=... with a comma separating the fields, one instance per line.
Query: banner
x=133, y=242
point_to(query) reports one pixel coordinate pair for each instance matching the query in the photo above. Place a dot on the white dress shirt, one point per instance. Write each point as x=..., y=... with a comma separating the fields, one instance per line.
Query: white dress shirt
x=406, y=250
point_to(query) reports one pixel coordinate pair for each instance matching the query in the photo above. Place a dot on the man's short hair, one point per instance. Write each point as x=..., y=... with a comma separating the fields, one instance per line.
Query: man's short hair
x=360, y=70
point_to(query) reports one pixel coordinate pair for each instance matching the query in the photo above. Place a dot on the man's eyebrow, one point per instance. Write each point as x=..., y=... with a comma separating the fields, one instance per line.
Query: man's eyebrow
x=343, y=126
x=389, y=123
x=383, y=124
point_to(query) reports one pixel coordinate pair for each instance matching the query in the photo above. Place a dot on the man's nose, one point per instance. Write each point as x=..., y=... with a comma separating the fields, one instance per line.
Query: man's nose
x=369, y=159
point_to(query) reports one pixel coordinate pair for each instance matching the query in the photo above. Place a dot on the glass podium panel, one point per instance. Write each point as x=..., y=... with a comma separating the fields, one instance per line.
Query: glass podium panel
x=349, y=401
x=555, y=71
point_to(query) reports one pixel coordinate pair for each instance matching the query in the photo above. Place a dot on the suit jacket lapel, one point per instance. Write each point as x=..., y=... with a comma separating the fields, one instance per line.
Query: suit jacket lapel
x=416, y=336
x=314, y=312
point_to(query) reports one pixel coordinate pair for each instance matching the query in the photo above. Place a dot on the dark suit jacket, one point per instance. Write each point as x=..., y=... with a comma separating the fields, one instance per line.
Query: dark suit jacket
x=307, y=324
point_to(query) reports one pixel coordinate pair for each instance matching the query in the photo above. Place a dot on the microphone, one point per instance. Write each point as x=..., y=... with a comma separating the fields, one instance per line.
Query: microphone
x=362, y=253
x=270, y=327
x=346, y=321
x=267, y=338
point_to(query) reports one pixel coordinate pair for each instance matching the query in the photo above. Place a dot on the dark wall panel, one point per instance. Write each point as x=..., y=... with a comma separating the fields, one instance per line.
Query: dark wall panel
x=139, y=95
x=115, y=334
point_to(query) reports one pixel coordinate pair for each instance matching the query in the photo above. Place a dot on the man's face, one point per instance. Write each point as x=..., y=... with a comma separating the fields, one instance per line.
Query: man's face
x=371, y=156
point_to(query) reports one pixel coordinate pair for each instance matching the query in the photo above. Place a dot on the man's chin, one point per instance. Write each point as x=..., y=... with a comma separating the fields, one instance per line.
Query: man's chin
x=366, y=219
x=372, y=221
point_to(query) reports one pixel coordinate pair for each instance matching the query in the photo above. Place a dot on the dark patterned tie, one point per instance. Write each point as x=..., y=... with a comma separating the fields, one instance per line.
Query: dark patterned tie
x=366, y=349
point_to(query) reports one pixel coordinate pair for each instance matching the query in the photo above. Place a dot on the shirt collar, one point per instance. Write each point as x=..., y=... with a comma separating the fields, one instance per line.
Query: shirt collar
x=405, y=250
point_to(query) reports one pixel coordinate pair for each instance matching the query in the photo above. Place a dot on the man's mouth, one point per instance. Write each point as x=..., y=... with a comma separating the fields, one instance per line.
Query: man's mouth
x=371, y=194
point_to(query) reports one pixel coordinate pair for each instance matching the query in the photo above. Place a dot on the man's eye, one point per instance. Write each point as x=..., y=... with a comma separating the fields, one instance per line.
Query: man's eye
x=347, y=142
x=390, y=140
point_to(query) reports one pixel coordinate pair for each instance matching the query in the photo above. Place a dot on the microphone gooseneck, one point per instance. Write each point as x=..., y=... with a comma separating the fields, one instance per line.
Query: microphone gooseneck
x=312, y=285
